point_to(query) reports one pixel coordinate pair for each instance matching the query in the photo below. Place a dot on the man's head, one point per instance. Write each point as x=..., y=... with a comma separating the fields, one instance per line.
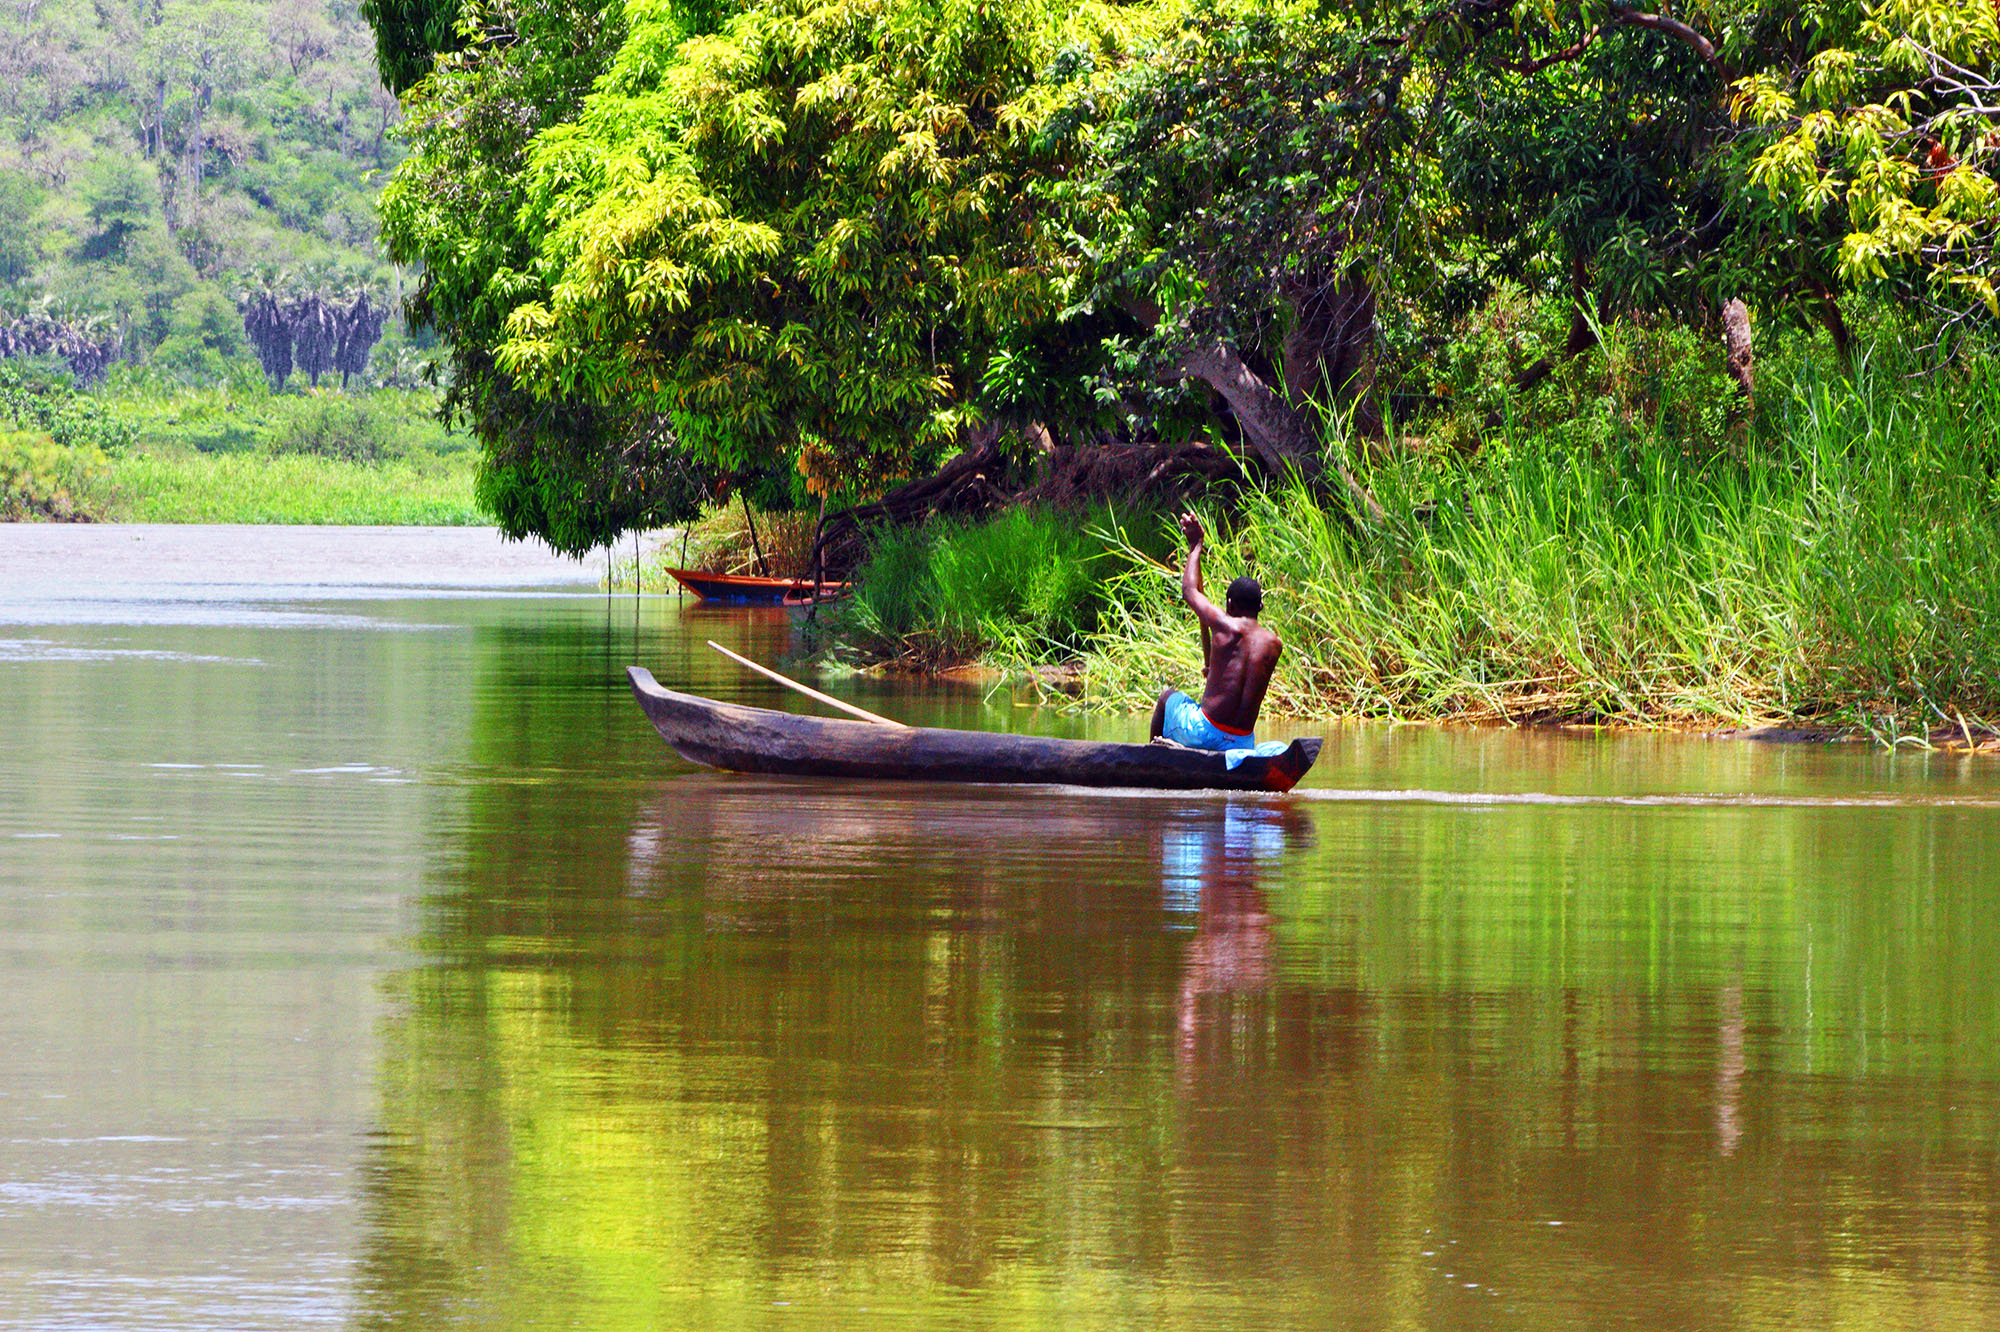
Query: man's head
x=1245, y=599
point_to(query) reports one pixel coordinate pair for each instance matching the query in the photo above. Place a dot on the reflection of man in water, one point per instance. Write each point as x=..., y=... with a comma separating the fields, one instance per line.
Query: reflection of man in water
x=1237, y=658
x=1209, y=863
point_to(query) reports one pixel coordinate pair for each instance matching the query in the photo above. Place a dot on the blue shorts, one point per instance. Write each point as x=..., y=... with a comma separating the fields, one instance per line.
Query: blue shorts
x=1186, y=724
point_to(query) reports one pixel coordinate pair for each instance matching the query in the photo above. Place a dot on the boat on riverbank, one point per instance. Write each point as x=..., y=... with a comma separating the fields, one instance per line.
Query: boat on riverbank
x=746, y=739
x=747, y=590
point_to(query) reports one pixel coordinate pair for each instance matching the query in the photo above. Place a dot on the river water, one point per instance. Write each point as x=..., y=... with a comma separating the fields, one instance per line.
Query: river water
x=366, y=961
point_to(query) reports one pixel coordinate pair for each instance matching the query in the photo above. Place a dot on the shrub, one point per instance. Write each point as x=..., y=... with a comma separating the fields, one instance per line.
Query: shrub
x=48, y=403
x=1647, y=378
x=43, y=480
x=329, y=428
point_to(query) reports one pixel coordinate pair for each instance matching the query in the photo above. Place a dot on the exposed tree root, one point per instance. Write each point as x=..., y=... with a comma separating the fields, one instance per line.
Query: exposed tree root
x=985, y=479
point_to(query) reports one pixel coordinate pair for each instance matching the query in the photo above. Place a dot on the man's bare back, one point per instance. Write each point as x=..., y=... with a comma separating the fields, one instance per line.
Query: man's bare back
x=1238, y=653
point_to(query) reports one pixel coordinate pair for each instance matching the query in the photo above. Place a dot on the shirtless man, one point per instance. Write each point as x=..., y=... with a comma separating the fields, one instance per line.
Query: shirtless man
x=1237, y=655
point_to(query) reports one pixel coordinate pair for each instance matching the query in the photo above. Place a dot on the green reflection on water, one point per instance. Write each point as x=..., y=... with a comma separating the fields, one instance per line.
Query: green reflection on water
x=692, y=1050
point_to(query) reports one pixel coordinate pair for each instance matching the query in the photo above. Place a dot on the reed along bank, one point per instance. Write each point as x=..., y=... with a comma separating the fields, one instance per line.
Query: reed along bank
x=1833, y=563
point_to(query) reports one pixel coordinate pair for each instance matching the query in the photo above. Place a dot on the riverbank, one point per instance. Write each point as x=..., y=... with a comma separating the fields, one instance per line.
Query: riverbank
x=180, y=486
x=368, y=458
x=1837, y=572
x=230, y=455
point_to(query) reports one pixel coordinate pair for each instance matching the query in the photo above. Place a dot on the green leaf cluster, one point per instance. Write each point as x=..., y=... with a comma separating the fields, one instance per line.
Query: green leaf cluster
x=48, y=405
x=1877, y=145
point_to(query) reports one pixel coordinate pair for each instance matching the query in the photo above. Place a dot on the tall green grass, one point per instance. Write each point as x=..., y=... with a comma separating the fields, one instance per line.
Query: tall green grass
x=1844, y=569
x=228, y=455
x=1837, y=565
x=1024, y=586
x=289, y=488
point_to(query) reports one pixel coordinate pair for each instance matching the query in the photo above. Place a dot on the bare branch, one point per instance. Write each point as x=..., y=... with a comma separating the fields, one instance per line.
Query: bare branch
x=1624, y=12
x=1971, y=85
x=1569, y=52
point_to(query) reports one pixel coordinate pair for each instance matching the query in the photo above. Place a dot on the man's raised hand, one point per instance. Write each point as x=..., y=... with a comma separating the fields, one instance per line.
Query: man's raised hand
x=1191, y=529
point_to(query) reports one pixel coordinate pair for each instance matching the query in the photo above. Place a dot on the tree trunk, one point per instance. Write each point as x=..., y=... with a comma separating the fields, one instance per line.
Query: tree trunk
x=1736, y=342
x=1329, y=354
x=194, y=149
x=1279, y=434
x=1828, y=309
x=756, y=547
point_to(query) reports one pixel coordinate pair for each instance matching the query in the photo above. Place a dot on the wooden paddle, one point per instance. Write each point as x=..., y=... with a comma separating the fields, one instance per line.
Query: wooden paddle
x=786, y=680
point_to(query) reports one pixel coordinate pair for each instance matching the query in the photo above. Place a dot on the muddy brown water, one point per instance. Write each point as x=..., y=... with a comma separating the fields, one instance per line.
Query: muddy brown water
x=366, y=961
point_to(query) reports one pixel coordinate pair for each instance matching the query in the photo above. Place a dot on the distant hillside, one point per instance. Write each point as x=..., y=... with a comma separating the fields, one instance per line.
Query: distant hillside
x=163, y=161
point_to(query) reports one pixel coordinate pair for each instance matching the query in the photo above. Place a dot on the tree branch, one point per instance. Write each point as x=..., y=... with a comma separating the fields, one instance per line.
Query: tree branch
x=1624, y=12
x=1569, y=52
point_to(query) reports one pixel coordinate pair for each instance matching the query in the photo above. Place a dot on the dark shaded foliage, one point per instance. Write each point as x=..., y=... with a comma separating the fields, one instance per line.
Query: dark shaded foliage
x=87, y=354
x=312, y=334
x=409, y=36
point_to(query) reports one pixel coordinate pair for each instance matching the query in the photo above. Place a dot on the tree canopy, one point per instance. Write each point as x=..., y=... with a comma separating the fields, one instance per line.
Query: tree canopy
x=860, y=229
x=409, y=35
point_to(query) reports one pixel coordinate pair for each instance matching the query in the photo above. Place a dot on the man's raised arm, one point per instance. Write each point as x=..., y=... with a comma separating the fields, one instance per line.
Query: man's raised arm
x=1204, y=610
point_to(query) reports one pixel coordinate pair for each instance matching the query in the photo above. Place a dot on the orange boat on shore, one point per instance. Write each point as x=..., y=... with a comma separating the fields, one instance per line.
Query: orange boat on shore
x=747, y=590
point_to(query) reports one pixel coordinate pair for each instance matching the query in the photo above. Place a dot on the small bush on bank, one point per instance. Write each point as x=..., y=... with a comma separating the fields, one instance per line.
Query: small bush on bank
x=1024, y=584
x=41, y=480
x=332, y=428
x=36, y=398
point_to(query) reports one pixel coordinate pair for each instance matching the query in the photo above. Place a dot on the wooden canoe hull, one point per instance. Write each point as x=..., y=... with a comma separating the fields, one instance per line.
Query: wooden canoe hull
x=746, y=590
x=745, y=739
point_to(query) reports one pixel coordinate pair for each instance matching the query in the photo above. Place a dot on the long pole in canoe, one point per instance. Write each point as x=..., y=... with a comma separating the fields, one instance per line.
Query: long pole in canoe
x=786, y=680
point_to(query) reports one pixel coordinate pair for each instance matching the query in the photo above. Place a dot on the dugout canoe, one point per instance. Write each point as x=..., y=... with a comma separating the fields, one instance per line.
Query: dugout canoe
x=746, y=739
x=746, y=590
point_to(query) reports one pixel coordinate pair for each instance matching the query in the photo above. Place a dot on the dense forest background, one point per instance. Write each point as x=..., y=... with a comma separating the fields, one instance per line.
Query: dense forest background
x=165, y=163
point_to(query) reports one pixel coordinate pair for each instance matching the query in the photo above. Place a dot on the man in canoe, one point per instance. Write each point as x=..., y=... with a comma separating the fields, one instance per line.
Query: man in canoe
x=1237, y=654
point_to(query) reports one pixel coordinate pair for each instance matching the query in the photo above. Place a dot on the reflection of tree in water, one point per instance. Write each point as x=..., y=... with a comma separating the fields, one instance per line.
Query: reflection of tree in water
x=754, y=1038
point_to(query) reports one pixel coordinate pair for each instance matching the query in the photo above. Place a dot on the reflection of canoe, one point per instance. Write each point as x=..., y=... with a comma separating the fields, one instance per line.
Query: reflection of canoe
x=728, y=735
x=753, y=591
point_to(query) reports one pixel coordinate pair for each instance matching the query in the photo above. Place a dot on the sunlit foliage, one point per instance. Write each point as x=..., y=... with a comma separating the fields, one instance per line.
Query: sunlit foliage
x=1881, y=142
